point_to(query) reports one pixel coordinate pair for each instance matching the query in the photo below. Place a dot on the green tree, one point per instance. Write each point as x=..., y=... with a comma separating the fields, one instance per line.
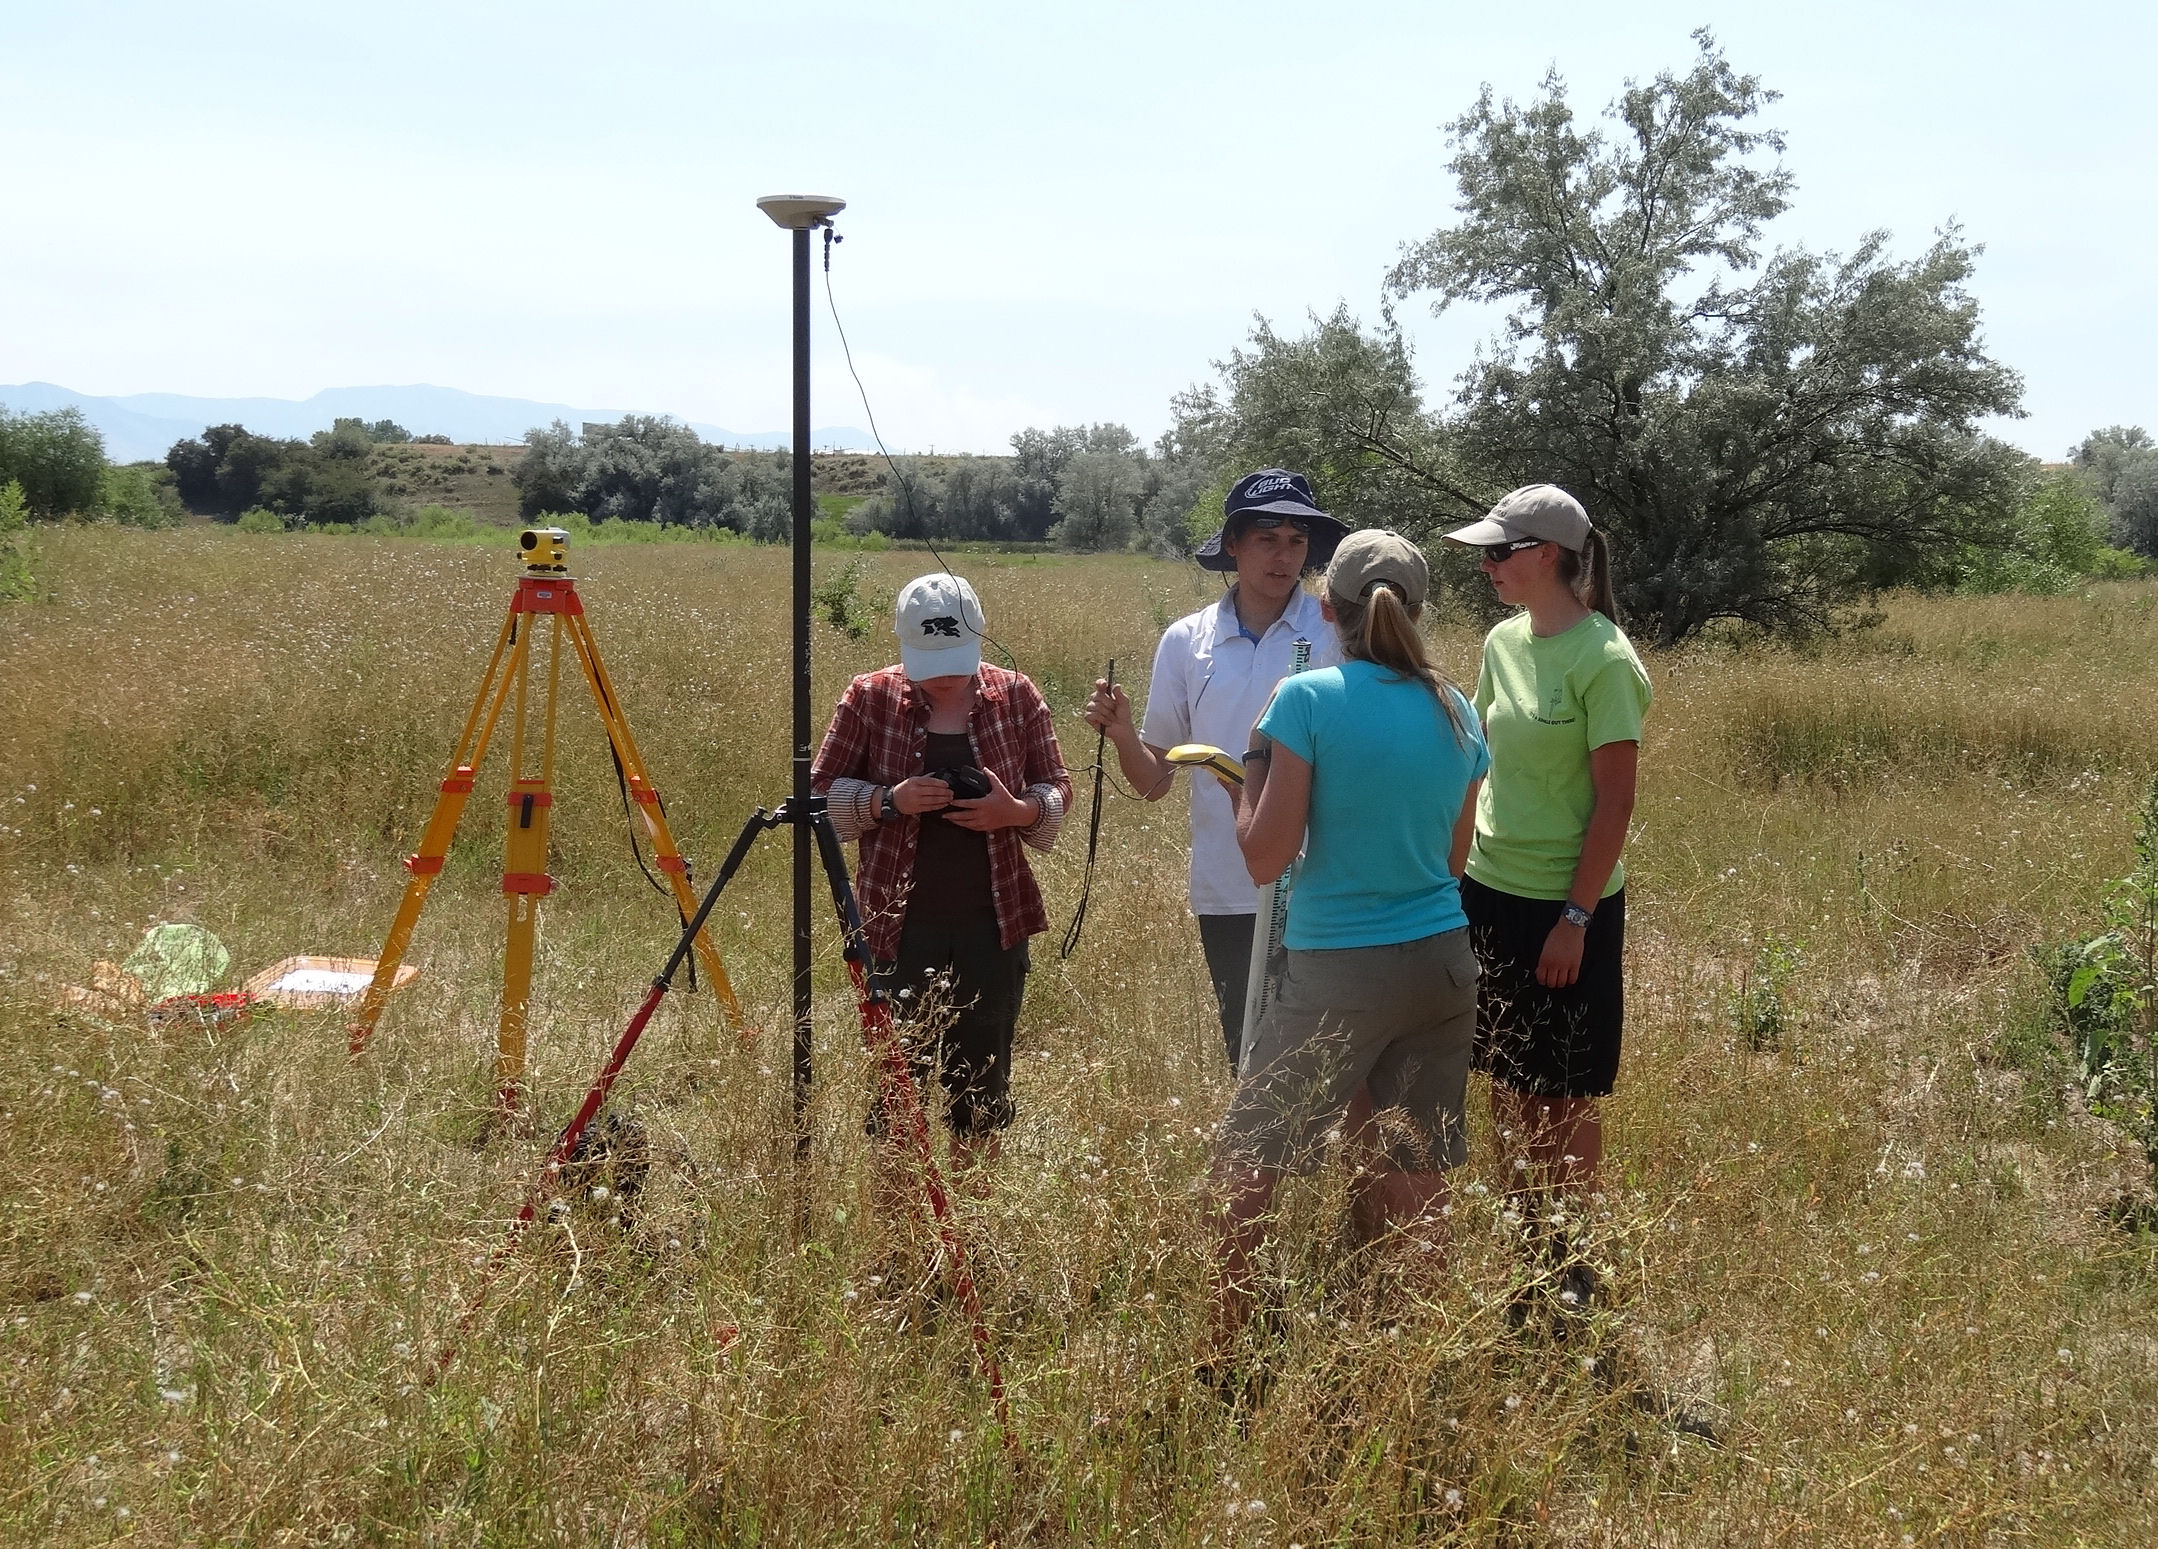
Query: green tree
x=549, y=473
x=649, y=469
x=2123, y=466
x=1342, y=406
x=222, y=472
x=1754, y=433
x=1098, y=496
x=2057, y=540
x=137, y=496
x=1038, y=459
x=57, y=457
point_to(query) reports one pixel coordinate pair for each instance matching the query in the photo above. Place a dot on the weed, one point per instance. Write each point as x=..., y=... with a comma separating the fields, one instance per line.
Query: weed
x=1759, y=1004
x=2106, y=992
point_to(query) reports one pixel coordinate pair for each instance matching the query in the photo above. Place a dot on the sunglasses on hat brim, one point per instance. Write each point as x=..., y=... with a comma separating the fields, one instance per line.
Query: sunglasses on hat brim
x=1499, y=552
x=1245, y=519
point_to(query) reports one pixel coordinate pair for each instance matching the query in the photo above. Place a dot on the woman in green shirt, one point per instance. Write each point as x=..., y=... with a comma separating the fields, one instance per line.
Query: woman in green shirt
x=1562, y=696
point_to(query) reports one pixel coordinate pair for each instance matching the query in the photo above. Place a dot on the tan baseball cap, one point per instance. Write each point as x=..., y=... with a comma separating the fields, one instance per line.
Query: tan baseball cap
x=1542, y=511
x=1371, y=555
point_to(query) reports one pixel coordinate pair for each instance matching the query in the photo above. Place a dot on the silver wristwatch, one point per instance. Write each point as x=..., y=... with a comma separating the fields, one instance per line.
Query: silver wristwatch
x=1573, y=914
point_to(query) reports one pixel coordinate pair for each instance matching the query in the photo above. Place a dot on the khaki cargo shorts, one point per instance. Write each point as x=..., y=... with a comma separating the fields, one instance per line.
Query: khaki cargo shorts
x=1400, y=1017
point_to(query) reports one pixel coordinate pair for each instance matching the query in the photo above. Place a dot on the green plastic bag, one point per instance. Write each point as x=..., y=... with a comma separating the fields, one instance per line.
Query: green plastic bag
x=177, y=960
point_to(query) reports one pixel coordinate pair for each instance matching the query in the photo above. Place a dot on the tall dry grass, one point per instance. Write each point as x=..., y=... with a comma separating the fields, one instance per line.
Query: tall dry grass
x=1866, y=1250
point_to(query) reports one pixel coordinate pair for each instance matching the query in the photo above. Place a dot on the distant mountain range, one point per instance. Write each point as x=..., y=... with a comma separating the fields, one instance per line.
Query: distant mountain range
x=141, y=426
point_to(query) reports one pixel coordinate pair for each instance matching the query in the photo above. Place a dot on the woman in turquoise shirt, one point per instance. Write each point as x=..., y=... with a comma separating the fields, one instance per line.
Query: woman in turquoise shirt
x=1370, y=766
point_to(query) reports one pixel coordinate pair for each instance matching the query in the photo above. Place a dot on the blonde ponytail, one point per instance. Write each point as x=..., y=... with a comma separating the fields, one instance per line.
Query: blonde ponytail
x=1588, y=573
x=1381, y=629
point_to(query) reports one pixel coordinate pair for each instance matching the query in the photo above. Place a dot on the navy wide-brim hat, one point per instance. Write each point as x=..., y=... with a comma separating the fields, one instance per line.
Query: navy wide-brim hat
x=1282, y=496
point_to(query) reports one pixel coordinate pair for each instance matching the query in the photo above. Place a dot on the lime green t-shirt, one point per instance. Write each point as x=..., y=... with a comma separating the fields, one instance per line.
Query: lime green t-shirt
x=1545, y=704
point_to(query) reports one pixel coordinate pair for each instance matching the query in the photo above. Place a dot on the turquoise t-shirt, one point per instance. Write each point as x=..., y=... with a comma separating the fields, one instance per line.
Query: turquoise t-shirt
x=1388, y=774
x=1546, y=702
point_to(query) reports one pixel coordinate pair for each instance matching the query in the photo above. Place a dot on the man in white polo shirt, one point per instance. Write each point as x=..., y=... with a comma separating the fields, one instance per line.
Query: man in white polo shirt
x=1214, y=672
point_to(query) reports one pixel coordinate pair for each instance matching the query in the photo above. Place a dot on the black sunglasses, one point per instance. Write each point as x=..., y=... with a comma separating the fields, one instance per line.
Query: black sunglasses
x=1499, y=552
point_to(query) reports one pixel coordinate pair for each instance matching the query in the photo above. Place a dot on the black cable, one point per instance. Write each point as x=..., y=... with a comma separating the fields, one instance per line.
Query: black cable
x=914, y=517
x=1100, y=766
x=621, y=783
x=1093, y=831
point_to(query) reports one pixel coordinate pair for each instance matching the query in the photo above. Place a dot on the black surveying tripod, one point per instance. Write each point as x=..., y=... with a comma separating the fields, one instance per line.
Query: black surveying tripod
x=902, y=1098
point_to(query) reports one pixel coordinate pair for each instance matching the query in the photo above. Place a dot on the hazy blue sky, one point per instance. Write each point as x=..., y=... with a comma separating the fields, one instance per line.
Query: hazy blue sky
x=1055, y=215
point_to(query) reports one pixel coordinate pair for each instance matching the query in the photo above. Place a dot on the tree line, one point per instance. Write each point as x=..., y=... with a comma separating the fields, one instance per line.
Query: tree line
x=649, y=469
x=1765, y=433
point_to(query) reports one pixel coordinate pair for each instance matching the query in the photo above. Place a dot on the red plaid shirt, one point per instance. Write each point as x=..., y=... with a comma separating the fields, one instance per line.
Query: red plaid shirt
x=879, y=736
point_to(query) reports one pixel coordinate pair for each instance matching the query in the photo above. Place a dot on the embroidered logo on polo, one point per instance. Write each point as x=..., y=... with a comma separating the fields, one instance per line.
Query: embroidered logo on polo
x=947, y=627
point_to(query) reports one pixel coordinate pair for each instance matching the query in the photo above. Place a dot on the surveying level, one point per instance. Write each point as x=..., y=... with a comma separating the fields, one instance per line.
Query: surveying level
x=546, y=550
x=1204, y=755
x=547, y=592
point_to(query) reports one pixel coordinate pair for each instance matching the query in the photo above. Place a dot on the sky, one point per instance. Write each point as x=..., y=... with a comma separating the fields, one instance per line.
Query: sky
x=1056, y=215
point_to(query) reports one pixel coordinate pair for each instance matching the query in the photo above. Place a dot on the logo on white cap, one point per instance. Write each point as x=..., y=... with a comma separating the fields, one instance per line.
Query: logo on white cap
x=939, y=623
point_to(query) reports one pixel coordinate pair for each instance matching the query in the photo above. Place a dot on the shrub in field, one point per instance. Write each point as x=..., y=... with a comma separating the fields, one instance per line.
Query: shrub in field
x=260, y=519
x=136, y=496
x=2106, y=988
x=1760, y=1005
x=839, y=602
x=14, y=563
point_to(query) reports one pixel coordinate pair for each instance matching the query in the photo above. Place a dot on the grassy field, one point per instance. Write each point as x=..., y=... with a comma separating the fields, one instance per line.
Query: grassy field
x=1854, y=1214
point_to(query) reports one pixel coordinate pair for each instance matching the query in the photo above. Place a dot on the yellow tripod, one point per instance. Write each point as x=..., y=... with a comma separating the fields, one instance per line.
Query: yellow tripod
x=545, y=591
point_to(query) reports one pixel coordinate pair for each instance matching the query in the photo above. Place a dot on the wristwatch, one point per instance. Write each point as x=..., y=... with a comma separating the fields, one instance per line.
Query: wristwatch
x=887, y=809
x=1573, y=914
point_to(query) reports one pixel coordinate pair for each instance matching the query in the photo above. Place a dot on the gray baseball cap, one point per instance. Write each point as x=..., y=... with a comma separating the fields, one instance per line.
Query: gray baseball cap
x=1541, y=511
x=1371, y=555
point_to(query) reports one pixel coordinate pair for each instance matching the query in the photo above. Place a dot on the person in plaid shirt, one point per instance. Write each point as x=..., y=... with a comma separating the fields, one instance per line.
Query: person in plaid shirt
x=948, y=900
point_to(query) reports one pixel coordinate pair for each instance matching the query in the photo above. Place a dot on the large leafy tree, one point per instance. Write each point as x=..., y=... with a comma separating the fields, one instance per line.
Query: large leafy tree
x=1759, y=435
x=1342, y=406
x=2123, y=463
x=58, y=459
x=650, y=469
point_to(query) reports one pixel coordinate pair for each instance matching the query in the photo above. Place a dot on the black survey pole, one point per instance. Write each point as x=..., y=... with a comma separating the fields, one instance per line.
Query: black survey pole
x=801, y=214
x=804, y=840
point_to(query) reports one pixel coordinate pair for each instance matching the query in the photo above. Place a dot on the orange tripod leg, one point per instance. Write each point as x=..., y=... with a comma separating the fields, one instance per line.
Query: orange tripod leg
x=648, y=805
x=524, y=878
x=426, y=864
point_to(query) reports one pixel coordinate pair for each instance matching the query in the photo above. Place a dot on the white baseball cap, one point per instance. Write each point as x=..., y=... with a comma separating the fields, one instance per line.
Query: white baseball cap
x=939, y=621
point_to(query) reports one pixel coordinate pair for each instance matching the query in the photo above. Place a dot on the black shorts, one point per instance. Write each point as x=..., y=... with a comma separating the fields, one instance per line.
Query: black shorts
x=1549, y=1043
x=956, y=991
